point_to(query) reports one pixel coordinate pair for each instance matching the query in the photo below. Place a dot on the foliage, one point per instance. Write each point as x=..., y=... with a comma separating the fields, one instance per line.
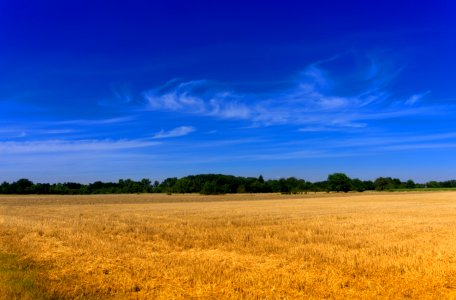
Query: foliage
x=339, y=182
x=219, y=184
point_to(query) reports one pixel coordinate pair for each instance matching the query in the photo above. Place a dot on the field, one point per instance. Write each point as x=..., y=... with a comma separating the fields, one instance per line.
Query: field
x=356, y=245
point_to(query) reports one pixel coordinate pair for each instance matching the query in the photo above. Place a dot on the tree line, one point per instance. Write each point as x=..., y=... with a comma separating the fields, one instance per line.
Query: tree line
x=210, y=184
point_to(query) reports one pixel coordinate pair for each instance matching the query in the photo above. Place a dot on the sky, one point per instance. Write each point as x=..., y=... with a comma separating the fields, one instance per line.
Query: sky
x=104, y=90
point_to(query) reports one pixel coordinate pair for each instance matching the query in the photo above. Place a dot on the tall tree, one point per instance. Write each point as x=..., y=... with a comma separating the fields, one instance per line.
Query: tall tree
x=339, y=182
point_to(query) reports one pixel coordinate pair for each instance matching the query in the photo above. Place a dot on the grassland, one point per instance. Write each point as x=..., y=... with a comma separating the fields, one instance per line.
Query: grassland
x=377, y=245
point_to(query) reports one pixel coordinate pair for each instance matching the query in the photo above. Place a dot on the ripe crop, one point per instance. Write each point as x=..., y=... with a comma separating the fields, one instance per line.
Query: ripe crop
x=355, y=245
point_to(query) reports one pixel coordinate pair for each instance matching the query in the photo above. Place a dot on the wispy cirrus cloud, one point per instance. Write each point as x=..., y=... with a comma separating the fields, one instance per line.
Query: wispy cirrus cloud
x=65, y=146
x=382, y=143
x=415, y=98
x=198, y=97
x=87, y=122
x=316, y=98
x=176, y=132
x=56, y=129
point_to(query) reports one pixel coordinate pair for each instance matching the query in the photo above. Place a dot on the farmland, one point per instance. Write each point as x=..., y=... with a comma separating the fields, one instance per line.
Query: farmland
x=247, y=246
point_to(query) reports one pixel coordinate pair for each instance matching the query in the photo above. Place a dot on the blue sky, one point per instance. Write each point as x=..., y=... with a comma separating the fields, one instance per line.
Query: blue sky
x=102, y=90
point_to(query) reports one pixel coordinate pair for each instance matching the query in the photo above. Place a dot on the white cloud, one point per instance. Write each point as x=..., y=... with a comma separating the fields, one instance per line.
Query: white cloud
x=55, y=146
x=418, y=147
x=57, y=131
x=95, y=121
x=176, y=132
x=317, y=129
x=314, y=99
x=415, y=98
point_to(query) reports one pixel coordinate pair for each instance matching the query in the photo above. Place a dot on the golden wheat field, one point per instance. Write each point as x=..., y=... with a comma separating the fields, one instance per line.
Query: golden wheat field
x=365, y=245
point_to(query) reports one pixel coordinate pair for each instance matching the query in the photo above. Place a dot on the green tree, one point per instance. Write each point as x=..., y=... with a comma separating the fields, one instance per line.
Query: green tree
x=23, y=186
x=339, y=182
x=209, y=188
x=5, y=188
x=369, y=185
x=433, y=184
x=146, y=185
x=383, y=183
x=261, y=179
x=240, y=189
x=410, y=184
x=357, y=185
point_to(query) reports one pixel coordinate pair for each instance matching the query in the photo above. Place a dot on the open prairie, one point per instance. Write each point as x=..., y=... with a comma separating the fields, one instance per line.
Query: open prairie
x=366, y=245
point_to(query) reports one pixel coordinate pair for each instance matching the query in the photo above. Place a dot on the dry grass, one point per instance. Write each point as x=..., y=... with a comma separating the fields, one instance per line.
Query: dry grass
x=276, y=247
